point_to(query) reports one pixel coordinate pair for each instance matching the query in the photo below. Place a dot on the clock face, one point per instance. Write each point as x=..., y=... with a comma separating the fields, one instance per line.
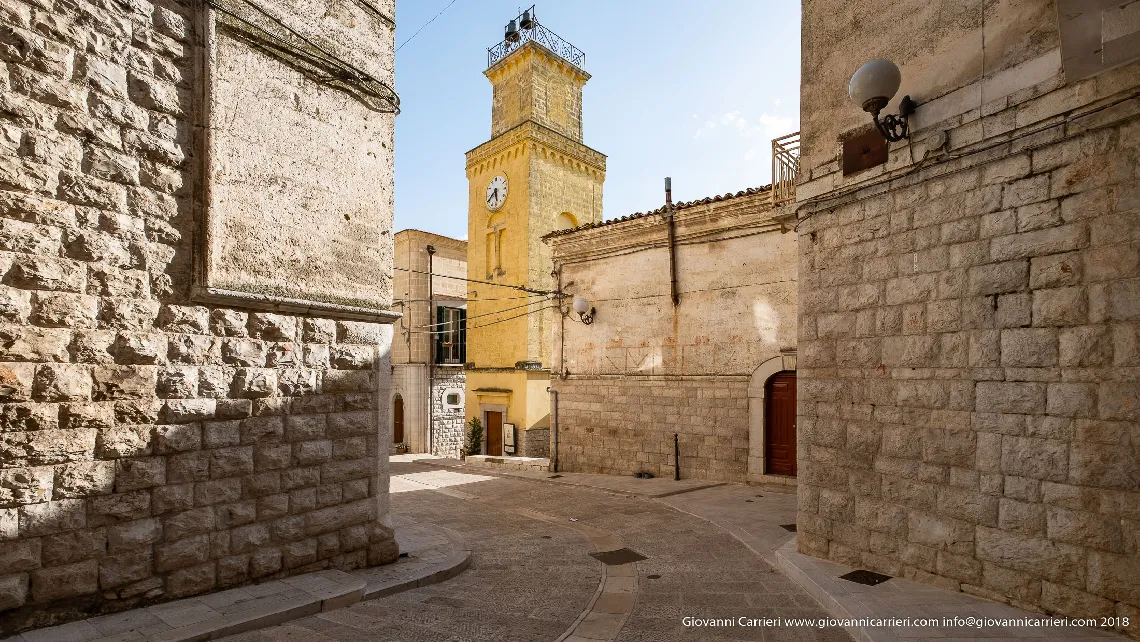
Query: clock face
x=496, y=192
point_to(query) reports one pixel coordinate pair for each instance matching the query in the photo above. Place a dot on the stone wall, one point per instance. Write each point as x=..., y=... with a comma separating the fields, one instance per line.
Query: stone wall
x=645, y=368
x=969, y=323
x=534, y=442
x=625, y=425
x=449, y=433
x=151, y=448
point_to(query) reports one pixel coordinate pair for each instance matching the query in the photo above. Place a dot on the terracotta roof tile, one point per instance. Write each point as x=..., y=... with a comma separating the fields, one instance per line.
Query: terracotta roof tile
x=661, y=210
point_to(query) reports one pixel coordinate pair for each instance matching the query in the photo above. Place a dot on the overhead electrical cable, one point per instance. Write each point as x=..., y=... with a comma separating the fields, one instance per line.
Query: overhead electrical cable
x=483, y=325
x=425, y=25
x=485, y=314
x=460, y=278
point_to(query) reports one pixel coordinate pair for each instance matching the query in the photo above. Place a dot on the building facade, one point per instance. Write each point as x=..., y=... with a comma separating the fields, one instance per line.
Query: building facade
x=535, y=175
x=429, y=347
x=970, y=307
x=192, y=394
x=716, y=369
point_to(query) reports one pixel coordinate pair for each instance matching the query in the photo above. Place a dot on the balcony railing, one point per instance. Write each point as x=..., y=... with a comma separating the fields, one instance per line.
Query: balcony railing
x=785, y=166
x=542, y=36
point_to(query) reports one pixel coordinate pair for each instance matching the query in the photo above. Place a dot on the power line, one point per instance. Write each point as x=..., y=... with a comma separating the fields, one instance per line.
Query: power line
x=478, y=300
x=426, y=24
x=485, y=314
x=549, y=307
x=460, y=278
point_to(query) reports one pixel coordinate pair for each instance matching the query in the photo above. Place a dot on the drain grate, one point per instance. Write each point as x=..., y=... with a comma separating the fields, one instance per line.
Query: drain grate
x=870, y=578
x=618, y=557
x=791, y=528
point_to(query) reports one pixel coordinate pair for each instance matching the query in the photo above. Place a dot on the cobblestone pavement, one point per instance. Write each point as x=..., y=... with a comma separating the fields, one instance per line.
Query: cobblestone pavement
x=530, y=580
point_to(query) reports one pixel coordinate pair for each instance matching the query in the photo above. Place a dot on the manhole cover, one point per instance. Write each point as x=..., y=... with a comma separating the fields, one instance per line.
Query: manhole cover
x=554, y=477
x=791, y=528
x=545, y=537
x=870, y=578
x=653, y=577
x=748, y=500
x=618, y=557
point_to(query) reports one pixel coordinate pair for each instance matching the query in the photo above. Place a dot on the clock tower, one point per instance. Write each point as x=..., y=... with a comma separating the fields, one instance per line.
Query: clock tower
x=532, y=177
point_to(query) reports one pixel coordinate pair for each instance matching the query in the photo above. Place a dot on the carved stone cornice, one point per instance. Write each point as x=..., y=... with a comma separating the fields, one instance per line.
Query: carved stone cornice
x=537, y=136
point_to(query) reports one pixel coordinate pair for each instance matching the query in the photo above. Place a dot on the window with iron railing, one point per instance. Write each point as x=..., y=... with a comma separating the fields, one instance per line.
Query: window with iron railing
x=450, y=336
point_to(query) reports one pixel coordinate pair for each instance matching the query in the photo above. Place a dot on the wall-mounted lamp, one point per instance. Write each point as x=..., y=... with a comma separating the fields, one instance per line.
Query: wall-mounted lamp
x=584, y=309
x=872, y=87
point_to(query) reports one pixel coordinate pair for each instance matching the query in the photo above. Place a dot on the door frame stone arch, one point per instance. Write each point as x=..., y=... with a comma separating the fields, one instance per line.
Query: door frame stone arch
x=785, y=362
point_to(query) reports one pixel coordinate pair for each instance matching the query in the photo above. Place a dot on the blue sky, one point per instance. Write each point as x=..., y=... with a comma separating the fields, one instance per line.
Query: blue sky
x=692, y=90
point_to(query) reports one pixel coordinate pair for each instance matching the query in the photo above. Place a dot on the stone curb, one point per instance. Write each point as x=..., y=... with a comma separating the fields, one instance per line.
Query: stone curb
x=249, y=608
x=900, y=598
x=456, y=563
x=521, y=474
x=216, y=615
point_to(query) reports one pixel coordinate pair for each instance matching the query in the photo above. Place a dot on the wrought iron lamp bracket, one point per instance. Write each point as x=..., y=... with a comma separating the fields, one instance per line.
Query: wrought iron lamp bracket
x=895, y=128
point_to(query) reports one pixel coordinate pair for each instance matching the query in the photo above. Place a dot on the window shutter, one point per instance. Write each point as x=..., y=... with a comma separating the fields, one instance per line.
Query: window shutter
x=439, y=331
x=462, y=335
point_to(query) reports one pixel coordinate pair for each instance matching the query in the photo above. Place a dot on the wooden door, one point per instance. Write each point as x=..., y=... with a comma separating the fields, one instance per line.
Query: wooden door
x=494, y=433
x=398, y=420
x=780, y=424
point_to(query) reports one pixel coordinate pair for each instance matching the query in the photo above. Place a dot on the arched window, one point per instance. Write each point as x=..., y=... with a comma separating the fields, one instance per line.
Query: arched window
x=565, y=221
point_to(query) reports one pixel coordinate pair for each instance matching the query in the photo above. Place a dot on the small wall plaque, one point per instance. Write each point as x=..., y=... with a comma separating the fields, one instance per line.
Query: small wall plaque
x=864, y=152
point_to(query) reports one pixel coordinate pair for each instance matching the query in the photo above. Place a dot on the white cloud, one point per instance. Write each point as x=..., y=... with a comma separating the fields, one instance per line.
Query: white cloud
x=765, y=125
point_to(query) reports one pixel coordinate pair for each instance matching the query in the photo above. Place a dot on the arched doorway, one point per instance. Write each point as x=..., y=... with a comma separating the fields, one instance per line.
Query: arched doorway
x=398, y=420
x=780, y=424
x=759, y=424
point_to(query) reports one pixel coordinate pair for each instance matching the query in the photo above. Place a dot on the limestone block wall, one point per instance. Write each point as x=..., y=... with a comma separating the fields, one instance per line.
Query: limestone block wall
x=645, y=368
x=448, y=423
x=151, y=448
x=534, y=442
x=969, y=409
x=624, y=425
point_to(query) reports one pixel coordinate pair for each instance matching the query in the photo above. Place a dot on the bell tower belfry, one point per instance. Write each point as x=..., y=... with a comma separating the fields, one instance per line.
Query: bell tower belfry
x=532, y=177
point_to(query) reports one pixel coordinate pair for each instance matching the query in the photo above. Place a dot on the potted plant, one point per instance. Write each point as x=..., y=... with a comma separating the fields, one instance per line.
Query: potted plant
x=474, y=444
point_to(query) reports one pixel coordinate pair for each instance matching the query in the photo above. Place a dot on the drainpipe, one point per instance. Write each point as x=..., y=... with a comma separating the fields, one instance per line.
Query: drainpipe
x=553, y=429
x=672, y=241
x=560, y=369
x=431, y=350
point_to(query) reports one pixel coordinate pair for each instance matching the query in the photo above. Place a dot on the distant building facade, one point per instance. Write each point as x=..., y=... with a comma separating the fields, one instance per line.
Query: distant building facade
x=429, y=347
x=717, y=369
x=533, y=176
x=970, y=308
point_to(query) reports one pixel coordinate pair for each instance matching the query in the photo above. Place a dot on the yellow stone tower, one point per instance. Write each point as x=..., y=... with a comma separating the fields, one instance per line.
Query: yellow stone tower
x=533, y=176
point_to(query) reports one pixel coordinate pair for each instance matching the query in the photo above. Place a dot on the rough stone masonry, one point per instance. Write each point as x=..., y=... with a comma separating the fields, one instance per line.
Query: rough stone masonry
x=152, y=448
x=969, y=398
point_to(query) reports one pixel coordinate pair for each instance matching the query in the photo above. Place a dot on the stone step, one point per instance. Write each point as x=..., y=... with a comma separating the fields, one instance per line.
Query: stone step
x=430, y=554
x=209, y=617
